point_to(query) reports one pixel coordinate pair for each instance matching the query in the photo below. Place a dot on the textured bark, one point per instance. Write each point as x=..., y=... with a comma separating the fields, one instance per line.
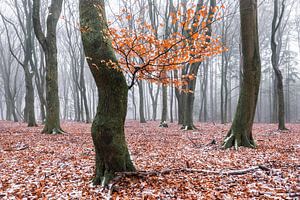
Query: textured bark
x=48, y=43
x=112, y=154
x=240, y=133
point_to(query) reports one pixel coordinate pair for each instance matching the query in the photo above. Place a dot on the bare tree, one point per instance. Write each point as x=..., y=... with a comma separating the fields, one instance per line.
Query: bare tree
x=240, y=133
x=48, y=43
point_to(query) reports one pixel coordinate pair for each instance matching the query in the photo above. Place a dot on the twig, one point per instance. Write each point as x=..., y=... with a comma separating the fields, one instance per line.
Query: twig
x=17, y=148
x=194, y=143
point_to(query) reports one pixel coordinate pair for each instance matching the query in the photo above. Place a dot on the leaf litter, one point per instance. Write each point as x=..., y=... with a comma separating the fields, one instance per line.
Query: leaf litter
x=40, y=166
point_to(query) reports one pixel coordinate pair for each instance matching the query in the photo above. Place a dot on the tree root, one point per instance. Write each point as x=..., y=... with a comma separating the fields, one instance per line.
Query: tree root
x=32, y=125
x=189, y=170
x=54, y=131
x=188, y=127
x=142, y=174
x=233, y=140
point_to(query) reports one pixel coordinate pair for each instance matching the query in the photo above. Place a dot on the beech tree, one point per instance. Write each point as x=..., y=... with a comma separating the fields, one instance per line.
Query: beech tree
x=240, y=133
x=280, y=106
x=48, y=43
x=27, y=42
x=108, y=126
x=141, y=56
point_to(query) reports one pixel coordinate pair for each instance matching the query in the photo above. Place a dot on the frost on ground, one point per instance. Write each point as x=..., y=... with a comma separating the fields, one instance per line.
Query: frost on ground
x=35, y=165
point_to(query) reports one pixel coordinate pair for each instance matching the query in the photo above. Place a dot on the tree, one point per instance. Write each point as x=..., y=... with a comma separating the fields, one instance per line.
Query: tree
x=27, y=43
x=240, y=133
x=141, y=56
x=48, y=43
x=141, y=104
x=108, y=126
x=191, y=69
x=9, y=77
x=275, y=62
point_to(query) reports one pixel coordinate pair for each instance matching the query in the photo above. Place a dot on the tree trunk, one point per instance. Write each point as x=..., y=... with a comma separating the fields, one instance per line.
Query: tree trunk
x=240, y=133
x=112, y=154
x=211, y=92
x=133, y=102
x=141, y=106
x=171, y=103
x=275, y=60
x=188, y=98
x=29, y=99
x=164, y=104
x=48, y=43
x=154, y=98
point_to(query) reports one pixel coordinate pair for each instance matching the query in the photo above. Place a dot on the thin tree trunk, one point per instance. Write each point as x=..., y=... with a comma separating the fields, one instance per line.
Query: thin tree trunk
x=141, y=105
x=275, y=60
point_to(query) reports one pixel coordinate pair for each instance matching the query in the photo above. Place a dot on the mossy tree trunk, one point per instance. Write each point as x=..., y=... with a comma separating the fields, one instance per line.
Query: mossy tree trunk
x=240, y=133
x=112, y=154
x=48, y=43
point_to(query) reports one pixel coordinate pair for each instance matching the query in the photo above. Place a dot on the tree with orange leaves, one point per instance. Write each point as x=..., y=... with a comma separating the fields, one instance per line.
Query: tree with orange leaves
x=149, y=53
x=141, y=55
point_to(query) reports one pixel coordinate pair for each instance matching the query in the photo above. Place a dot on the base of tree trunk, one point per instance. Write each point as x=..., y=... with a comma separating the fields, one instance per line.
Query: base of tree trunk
x=32, y=124
x=234, y=139
x=283, y=128
x=163, y=124
x=53, y=131
x=188, y=127
x=104, y=176
x=104, y=179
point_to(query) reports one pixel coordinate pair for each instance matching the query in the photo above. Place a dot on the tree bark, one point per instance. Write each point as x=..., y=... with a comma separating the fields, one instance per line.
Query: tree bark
x=240, y=133
x=48, y=43
x=112, y=154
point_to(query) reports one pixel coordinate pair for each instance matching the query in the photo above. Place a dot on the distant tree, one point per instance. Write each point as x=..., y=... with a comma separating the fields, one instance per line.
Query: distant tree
x=276, y=22
x=48, y=43
x=26, y=39
x=240, y=133
x=9, y=76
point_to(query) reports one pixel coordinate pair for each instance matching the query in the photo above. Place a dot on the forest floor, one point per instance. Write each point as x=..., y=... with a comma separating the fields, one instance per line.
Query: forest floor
x=39, y=166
